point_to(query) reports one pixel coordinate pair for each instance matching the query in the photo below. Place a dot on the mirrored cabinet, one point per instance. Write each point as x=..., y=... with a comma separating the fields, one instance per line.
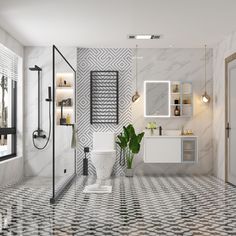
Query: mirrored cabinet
x=168, y=99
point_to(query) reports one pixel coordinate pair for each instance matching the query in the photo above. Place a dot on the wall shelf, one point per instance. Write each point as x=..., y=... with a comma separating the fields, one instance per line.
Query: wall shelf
x=181, y=92
x=65, y=91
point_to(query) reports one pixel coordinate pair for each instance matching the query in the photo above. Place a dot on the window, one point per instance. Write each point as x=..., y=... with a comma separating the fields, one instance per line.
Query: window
x=8, y=89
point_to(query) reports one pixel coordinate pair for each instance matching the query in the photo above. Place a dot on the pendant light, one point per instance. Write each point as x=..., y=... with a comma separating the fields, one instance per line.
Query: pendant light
x=205, y=97
x=136, y=96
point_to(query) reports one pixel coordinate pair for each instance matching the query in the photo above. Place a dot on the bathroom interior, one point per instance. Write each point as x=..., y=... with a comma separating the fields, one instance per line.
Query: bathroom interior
x=124, y=134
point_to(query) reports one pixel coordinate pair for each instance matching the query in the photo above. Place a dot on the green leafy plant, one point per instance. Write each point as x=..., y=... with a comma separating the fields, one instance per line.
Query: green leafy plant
x=129, y=141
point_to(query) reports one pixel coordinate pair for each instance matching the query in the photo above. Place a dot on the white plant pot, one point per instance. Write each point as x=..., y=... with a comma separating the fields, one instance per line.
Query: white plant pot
x=129, y=172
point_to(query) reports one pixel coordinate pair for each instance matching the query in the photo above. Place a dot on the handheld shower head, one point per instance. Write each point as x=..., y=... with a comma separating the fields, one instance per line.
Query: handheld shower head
x=35, y=68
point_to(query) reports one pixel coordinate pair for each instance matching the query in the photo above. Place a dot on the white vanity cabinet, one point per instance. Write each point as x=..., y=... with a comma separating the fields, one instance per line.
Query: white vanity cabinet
x=170, y=149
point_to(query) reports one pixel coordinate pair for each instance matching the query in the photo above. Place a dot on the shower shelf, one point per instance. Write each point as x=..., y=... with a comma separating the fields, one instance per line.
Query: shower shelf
x=64, y=92
x=67, y=124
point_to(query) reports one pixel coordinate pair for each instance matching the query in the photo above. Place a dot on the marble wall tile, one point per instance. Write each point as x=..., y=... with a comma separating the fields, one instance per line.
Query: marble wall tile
x=39, y=163
x=222, y=50
x=185, y=65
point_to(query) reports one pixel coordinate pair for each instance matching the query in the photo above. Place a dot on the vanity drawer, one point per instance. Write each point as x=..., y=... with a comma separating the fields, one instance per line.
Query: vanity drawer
x=162, y=150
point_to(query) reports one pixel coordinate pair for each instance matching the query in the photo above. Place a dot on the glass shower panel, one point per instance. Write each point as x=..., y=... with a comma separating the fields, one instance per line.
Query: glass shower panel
x=64, y=119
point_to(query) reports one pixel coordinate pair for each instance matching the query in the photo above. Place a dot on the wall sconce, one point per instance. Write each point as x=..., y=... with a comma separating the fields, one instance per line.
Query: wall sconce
x=136, y=96
x=205, y=97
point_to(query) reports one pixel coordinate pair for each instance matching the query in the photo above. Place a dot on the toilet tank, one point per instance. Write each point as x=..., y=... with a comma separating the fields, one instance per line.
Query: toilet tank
x=103, y=141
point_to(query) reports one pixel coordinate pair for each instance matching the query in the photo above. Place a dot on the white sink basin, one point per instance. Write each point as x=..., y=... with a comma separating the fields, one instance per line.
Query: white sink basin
x=173, y=132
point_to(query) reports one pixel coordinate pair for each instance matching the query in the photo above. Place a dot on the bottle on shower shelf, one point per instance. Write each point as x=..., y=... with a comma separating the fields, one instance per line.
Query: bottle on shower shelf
x=68, y=119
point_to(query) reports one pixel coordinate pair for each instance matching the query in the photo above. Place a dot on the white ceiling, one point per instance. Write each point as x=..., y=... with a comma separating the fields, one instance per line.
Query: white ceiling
x=106, y=23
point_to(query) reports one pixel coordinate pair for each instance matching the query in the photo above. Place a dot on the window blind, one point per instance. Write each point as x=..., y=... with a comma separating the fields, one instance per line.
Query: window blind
x=8, y=63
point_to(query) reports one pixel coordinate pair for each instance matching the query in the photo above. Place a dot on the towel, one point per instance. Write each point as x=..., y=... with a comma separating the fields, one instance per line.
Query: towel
x=74, y=140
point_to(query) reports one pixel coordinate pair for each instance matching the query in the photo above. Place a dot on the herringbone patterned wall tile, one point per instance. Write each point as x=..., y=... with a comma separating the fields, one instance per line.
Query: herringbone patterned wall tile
x=89, y=59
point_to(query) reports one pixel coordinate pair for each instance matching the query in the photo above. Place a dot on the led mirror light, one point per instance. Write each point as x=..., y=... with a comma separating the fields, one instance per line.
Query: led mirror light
x=145, y=98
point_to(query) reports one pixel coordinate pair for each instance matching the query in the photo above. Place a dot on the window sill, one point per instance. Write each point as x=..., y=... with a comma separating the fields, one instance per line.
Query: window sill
x=8, y=158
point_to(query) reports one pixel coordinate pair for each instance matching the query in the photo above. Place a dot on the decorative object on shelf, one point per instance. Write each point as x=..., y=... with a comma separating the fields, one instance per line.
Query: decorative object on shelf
x=177, y=111
x=205, y=97
x=67, y=102
x=62, y=119
x=187, y=132
x=176, y=101
x=176, y=89
x=60, y=82
x=151, y=126
x=130, y=143
x=136, y=96
x=104, y=97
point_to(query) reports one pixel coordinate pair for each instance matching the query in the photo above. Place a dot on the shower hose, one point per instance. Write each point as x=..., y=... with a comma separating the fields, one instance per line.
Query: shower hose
x=49, y=132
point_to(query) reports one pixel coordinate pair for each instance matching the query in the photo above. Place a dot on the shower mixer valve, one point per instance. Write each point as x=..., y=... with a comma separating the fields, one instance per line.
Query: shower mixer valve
x=39, y=134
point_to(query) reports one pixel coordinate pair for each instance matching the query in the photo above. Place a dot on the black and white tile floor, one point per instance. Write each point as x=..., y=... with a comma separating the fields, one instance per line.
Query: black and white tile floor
x=138, y=206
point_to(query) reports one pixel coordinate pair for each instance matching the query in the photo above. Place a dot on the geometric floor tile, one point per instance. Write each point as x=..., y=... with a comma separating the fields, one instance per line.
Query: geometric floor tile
x=138, y=206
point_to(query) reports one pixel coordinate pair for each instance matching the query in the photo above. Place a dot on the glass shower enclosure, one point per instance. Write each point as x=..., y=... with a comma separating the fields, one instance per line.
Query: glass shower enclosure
x=64, y=104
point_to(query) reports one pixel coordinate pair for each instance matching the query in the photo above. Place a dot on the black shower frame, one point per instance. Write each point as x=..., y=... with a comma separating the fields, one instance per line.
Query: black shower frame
x=57, y=195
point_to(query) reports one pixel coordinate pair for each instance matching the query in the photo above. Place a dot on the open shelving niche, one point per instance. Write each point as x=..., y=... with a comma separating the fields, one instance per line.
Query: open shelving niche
x=64, y=90
x=181, y=91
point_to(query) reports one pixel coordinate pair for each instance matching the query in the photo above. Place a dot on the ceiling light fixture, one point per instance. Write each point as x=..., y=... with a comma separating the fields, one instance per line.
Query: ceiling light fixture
x=136, y=96
x=143, y=36
x=205, y=97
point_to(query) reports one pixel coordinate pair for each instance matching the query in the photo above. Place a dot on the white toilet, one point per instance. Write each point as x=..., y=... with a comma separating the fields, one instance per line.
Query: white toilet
x=103, y=157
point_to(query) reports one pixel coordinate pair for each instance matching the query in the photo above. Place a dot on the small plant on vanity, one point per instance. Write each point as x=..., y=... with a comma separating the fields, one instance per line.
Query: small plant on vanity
x=129, y=142
x=151, y=126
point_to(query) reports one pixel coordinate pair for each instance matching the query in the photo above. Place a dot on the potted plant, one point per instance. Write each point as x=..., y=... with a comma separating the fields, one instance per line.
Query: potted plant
x=129, y=142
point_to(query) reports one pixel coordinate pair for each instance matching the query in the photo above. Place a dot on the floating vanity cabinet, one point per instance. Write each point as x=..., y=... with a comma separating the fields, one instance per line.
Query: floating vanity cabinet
x=170, y=149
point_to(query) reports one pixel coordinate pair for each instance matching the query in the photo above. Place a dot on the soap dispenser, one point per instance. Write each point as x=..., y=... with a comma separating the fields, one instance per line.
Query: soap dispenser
x=68, y=119
x=160, y=130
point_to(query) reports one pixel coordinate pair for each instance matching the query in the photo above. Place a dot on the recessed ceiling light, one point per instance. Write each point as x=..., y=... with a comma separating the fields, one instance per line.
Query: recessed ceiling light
x=143, y=36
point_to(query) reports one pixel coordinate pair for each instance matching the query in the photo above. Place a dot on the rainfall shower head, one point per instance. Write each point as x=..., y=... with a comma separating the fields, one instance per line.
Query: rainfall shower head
x=35, y=68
